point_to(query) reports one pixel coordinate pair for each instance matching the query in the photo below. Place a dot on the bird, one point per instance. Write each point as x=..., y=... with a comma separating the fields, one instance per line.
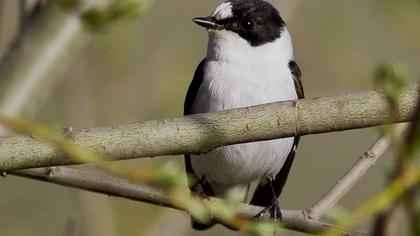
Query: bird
x=249, y=62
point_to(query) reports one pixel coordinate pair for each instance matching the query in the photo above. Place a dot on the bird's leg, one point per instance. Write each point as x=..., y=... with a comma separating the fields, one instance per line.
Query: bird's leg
x=199, y=188
x=274, y=208
x=275, y=211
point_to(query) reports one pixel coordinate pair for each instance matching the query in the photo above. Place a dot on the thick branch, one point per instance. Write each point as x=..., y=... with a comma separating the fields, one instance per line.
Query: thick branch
x=93, y=180
x=204, y=132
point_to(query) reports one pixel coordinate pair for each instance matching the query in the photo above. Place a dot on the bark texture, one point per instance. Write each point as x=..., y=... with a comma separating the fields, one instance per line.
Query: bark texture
x=201, y=133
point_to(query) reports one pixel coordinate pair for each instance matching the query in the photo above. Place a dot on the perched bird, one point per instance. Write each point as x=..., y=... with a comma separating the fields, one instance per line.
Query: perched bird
x=249, y=62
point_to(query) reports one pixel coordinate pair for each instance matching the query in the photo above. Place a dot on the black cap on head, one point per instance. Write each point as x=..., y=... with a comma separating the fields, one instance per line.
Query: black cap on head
x=256, y=21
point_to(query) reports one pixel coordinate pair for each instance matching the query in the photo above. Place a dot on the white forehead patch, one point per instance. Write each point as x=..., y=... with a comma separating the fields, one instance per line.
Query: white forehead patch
x=223, y=11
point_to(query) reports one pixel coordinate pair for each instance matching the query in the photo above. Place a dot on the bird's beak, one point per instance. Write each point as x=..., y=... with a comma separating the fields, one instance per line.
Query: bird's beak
x=207, y=22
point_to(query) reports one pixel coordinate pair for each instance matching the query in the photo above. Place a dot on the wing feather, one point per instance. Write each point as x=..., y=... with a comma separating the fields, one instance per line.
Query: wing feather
x=189, y=101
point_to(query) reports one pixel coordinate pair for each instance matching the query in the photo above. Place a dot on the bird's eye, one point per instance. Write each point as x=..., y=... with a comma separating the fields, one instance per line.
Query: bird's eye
x=247, y=23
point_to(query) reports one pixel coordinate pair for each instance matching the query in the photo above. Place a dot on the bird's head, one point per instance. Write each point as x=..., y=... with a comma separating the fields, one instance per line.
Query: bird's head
x=255, y=21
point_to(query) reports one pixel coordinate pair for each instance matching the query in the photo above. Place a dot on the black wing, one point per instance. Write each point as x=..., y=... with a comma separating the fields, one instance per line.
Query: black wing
x=194, y=87
x=262, y=195
x=297, y=74
x=199, y=187
x=189, y=100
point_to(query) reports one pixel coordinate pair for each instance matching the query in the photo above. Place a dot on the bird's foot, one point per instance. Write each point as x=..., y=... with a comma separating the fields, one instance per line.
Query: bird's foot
x=199, y=188
x=274, y=211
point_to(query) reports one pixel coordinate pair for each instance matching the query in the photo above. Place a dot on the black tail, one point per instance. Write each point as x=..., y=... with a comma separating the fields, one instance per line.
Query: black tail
x=200, y=226
x=198, y=187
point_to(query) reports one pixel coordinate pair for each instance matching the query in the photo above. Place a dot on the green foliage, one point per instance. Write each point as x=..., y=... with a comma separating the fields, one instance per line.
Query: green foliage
x=414, y=145
x=338, y=213
x=125, y=9
x=97, y=18
x=192, y=205
x=392, y=79
x=264, y=228
x=413, y=138
x=168, y=175
x=235, y=195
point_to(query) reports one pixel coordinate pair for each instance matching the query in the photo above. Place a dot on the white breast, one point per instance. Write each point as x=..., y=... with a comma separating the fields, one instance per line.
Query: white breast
x=239, y=75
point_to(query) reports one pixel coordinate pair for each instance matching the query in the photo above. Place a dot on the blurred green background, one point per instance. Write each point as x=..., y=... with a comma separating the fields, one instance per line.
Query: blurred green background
x=140, y=69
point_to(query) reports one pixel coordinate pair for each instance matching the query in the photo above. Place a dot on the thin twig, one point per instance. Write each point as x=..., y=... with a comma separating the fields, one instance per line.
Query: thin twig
x=380, y=202
x=356, y=172
x=201, y=133
x=96, y=181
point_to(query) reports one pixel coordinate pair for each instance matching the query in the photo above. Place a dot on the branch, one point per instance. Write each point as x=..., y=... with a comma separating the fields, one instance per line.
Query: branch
x=54, y=39
x=27, y=17
x=51, y=44
x=204, y=132
x=357, y=171
x=297, y=220
x=96, y=181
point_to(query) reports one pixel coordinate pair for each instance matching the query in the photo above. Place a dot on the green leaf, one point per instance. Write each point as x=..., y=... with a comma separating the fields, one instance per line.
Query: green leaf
x=98, y=18
x=392, y=79
x=338, y=213
x=264, y=228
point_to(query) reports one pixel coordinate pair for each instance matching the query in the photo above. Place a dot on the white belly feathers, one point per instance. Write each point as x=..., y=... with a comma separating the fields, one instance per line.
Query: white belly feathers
x=227, y=86
x=239, y=75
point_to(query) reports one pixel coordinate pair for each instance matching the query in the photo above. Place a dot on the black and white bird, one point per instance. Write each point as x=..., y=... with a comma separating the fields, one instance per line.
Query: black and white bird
x=249, y=62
